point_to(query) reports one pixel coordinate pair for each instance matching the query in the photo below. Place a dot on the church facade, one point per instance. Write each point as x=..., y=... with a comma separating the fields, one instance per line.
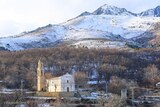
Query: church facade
x=64, y=83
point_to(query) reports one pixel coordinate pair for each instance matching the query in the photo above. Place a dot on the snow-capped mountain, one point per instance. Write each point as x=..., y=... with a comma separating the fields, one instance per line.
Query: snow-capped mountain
x=112, y=10
x=108, y=26
x=151, y=12
x=109, y=10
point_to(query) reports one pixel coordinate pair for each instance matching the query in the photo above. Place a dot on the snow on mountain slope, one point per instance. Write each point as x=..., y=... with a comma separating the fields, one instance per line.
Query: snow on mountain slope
x=109, y=10
x=76, y=34
x=149, y=12
x=155, y=12
x=100, y=44
x=90, y=26
x=117, y=25
x=112, y=10
x=125, y=26
x=45, y=35
x=150, y=38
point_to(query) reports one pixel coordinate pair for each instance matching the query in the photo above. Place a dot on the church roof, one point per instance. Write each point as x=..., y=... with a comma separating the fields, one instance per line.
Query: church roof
x=67, y=74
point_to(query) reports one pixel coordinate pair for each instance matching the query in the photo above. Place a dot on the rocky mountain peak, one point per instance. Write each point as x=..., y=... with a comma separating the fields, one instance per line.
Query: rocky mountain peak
x=157, y=11
x=111, y=10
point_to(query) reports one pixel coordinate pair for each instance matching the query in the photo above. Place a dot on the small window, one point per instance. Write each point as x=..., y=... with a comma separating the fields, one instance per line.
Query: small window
x=67, y=81
x=67, y=89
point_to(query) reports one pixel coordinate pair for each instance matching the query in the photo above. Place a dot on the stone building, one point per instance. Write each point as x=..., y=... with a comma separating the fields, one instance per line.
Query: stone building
x=64, y=83
x=40, y=77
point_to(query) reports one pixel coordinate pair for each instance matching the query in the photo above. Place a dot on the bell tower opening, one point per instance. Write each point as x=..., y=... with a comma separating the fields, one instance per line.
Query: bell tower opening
x=67, y=89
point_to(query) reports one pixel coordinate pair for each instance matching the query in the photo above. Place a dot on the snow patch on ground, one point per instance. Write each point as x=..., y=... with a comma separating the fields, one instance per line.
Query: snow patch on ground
x=99, y=44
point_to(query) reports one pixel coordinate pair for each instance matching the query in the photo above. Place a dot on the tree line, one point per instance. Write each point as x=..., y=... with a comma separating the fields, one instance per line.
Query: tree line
x=141, y=66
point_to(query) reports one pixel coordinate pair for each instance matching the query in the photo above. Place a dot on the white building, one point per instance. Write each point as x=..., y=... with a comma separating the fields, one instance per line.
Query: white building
x=63, y=83
x=158, y=85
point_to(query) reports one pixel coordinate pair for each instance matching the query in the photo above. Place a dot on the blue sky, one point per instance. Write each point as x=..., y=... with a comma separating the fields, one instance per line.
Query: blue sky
x=17, y=16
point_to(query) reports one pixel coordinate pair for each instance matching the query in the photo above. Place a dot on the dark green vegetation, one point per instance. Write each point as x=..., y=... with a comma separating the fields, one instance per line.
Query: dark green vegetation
x=142, y=66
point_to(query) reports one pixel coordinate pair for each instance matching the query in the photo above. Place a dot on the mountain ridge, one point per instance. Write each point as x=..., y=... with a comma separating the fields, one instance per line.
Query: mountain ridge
x=108, y=22
x=108, y=9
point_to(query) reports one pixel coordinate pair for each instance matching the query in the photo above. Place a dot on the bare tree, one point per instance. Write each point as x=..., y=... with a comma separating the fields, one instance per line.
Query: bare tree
x=80, y=79
x=151, y=75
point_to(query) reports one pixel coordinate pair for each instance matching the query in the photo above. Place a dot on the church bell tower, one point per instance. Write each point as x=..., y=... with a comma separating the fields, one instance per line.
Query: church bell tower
x=40, y=77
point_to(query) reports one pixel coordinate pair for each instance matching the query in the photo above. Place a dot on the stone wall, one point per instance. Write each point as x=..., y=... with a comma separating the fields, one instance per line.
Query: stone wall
x=56, y=94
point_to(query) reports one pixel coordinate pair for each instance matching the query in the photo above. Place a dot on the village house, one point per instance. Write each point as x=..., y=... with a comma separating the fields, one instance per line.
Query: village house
x=64, y=83
x=2, y=84
x=158, y=85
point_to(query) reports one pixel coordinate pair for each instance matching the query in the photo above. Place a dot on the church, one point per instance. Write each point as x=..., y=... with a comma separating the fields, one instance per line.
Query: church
x=64, y=83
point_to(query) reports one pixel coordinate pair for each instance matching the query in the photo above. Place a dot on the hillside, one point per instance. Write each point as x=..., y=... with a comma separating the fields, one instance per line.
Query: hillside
x=150, y=38
x=22, y=65
x=115, y=27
